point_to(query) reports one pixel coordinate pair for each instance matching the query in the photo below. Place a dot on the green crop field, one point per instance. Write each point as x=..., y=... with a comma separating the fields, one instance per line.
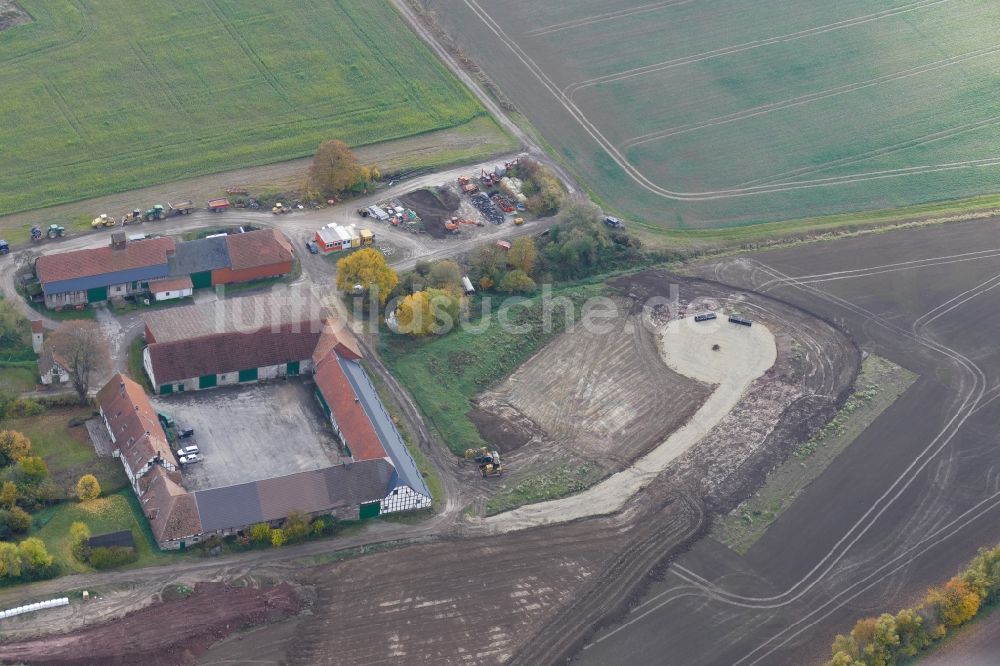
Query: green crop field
x=724, y=112
x=107, y=96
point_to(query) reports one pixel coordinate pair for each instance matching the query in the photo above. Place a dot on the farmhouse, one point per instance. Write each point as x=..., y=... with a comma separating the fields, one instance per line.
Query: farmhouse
x=161, y=267
x=231, y=341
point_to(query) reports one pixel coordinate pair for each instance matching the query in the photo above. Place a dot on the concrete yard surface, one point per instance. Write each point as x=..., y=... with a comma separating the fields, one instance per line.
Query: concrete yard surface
x=249, y=433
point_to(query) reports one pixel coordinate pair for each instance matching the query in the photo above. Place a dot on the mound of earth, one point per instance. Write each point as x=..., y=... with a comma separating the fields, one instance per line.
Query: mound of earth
x=167, y=632
x=11, y=14
x=433, y=208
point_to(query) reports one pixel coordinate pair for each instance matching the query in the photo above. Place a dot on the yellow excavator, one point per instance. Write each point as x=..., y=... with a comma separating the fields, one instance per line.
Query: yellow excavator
x=488, y=461
x=103, y=220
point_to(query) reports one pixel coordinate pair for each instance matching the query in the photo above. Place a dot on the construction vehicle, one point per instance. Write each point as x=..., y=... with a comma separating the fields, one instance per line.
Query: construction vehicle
x=452, y=225
x=135, y=217
x=280, y=209
x=466, y=185
x=487, y=178
x=103, y=220
x=218, y=205
x=503, y=203
x=471, y=454
x=490, y=465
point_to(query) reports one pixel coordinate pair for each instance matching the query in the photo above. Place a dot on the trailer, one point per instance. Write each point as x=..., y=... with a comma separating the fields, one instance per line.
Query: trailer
x=181, y=207
x=467, y=286
x=741, y=321
x=218, y=205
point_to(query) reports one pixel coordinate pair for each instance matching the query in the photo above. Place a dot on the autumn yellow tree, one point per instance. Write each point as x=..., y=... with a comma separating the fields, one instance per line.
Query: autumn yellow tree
x=8, y=494
x=79, y=533
x=955, y=604
x=13, y=447
x=368, y=269
x=523, y=255
x=87, y=488
x=335, y=168
x=430, y=311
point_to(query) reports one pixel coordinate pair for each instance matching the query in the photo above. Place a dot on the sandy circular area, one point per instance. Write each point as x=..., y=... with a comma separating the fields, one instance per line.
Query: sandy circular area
x=744, y=354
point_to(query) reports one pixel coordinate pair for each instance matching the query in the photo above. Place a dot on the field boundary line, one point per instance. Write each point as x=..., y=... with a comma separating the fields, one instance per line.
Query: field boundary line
x=792, y=102
x=153, y=71
x=747, y=46
x=609, y=16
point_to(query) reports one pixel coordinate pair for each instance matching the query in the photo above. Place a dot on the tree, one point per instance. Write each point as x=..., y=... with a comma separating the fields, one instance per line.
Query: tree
x=445, y=274
x=13, y=447
x=10, y=560
x=87, y=488
x=335, y=168
x=844, y=659
x=517, y=282
x=17, y=519
x=955, y=603
x=13, y=325
x=983, y=574
x=278, y=538
x=34, y=557
x=318, y=526
x=523, y=254
x=912, y=635
x=8, y=494
x=260, y=533
x=82, y=347
x=367, y=268
x=78, y=535
x=32, y=469
x=429, y=311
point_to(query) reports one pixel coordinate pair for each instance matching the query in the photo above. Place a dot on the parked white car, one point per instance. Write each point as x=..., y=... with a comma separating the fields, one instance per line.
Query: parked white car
x=188, y=459
x=187, y=450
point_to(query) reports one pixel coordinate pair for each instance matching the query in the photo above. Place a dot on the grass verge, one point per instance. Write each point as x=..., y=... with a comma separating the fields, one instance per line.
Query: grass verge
x=444, y=374
x=877, y=386
x=542, y=485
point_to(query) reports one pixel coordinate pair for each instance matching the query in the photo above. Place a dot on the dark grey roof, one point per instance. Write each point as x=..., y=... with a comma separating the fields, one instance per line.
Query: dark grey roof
x=143, y=274
x=392, y=442
x=315, y=491
x=197, y=256
x=123, y=538
x=232, y=506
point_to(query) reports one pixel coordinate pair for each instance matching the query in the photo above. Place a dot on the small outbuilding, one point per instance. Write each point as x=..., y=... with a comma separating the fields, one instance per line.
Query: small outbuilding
x=170, y=288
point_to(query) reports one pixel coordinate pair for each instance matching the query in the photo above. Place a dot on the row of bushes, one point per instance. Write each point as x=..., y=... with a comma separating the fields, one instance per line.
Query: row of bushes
x=26, y=561
x=888, y=639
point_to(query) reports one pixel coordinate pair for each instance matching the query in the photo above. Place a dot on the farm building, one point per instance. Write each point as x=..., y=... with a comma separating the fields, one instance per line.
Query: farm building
x=52, y=368
x=363, y=426
x=135, y=430
x=255, y=255
x=160, y=267
x=334, y=237
x=230, y=342
x=97, y=274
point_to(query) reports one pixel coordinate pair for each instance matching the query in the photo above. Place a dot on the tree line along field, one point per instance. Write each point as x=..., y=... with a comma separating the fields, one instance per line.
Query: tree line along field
x=733, y=112
x=109, y=96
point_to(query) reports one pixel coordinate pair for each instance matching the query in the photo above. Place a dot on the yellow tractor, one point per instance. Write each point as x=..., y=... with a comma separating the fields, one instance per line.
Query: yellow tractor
x=103, y=220
x=280, y=209
x=488, y=461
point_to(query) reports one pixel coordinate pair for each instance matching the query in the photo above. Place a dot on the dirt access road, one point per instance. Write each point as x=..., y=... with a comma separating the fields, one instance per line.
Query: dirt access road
x=904, y=507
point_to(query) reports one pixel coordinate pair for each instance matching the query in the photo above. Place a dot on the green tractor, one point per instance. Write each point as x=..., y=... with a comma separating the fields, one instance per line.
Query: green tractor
x=155, y=213
x=55, y=231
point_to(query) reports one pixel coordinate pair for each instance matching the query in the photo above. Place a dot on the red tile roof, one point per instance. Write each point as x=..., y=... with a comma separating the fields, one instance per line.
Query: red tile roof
x=231, y=352
x=136, y=429
x=336, y=336
x=171, y=510
x=102, y=260
x=258, y=248
x=37, y=326
x=170, y=284
x=356, y=429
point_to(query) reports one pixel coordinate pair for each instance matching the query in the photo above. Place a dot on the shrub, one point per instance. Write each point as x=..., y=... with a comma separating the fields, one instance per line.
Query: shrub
x=108, y=557
x=78, y=535
x=23, y=407
x=296, y=526
x=87, y=488
x=278, y=538
x=260, y=533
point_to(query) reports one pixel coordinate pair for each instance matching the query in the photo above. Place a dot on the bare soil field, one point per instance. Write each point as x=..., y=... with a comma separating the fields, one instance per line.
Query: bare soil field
x=902, y=508
x=604, y=395
x=781, y=111
x=168, y=632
